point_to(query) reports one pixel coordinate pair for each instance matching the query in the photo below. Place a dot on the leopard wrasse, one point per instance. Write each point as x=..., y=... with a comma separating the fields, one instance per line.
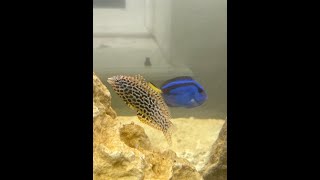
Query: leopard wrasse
x=140, y=96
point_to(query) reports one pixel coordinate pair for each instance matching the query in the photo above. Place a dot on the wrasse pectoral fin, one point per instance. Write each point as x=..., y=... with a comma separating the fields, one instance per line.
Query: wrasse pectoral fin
x=130, y=105
x=147, y=120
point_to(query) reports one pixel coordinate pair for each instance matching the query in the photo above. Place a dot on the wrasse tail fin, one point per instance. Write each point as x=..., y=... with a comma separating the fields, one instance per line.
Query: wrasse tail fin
x=172, y=128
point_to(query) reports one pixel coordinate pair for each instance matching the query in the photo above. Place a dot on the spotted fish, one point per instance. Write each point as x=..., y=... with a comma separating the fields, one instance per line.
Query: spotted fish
x=149, y=104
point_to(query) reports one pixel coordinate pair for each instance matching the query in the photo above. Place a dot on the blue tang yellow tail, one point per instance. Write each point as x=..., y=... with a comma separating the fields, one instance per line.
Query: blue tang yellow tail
x=183, y=92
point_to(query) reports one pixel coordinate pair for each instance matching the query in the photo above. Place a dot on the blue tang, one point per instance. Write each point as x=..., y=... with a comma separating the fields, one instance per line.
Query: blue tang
x=183, y=92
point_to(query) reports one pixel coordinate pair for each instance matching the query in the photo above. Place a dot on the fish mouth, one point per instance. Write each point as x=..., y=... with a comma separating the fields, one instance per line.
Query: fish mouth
x=111, y=80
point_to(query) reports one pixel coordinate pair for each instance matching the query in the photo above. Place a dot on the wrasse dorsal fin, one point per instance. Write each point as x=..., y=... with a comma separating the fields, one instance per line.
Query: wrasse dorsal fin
x=139, y=78
x=154, y=87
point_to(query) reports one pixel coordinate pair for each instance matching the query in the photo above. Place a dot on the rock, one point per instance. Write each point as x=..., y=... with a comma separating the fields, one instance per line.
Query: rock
x=182, y=169
x=101, y=99
x=216, y=167
x=134, y=136
x=124, y=151
x=112, y=159
x=192, y=140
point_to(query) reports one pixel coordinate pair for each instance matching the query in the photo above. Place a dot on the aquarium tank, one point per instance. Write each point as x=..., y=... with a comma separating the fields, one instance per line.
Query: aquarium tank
x=160, y=89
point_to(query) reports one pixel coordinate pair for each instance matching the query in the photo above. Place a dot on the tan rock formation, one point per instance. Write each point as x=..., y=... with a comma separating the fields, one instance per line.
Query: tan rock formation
x=216, y=167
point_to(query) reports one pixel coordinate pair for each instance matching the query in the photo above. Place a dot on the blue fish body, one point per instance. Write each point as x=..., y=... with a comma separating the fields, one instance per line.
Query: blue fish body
x=183, y=92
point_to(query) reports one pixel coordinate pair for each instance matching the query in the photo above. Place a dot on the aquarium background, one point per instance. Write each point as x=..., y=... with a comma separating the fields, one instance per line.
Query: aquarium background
x=181, y=38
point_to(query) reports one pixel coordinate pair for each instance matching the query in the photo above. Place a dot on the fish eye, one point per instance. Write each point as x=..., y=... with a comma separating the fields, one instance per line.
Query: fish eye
x=200, y=90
